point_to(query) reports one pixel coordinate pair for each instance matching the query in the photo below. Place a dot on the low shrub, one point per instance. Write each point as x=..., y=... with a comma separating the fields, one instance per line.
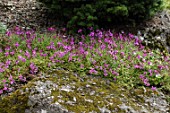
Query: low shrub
x=96, y=13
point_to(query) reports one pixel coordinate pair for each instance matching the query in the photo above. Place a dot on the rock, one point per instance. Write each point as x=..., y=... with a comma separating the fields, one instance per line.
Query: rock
x=44, y=95
x=24, y=13
x=157, y=31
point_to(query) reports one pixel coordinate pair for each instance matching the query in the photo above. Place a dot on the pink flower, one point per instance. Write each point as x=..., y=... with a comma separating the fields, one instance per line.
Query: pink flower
x=131, y=35
x=6, y=54
x=80, y=30
x=4, y=81
x=21, y=58
x=150, y=71
x=12, y=82
x=8, y=33
x=16, y=44
x=21, y=78
x=137, y=66
x=33, y=68
x=92, y=34
x=92, y=71
x=160, y=67
x=142, y=77
x=61, y=54
x=16, y=62
x=81, y=66
x=122, y=53
x=8, y=62
x=105, y=73
x=5, y=88
x=138, y=57
x=27, y=54
x=51, y=29
x=110, y=34
x=153, y=88
x=1, y=51
x=12, y=52
x=1, y=91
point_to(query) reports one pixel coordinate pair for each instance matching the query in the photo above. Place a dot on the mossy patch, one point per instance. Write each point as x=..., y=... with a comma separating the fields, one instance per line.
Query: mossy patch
x=107, y=94
x=15, y=102
x=85, y=94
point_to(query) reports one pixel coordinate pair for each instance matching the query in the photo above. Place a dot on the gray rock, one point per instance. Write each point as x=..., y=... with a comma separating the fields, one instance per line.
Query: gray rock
x=157, y=31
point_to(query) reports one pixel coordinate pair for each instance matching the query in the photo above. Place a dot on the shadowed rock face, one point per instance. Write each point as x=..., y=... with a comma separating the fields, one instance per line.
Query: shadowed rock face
x=65, y=92
x=26, y=14
x=156, y=33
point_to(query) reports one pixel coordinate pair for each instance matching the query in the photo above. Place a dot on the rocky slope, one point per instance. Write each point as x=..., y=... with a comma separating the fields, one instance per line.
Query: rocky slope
x=26, y=14
x=61, y=91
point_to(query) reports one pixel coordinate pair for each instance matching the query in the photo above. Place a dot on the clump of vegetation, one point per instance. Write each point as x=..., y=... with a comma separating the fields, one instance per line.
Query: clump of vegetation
x=166, y=4
x=91, y=13
x=116, y=56
x=3, y=28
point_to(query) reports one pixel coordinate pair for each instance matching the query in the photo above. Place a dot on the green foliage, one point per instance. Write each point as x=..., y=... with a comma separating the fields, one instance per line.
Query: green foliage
x=3, y=28
x=87, y=13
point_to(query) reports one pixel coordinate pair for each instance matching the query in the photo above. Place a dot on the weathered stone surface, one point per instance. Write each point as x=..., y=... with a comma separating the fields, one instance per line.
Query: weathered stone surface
x=25, y=13
x=46, y=95
x=156, y=33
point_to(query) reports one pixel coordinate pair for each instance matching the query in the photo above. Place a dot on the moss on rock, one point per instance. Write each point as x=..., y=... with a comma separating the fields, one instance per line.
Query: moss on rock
x=79, y=94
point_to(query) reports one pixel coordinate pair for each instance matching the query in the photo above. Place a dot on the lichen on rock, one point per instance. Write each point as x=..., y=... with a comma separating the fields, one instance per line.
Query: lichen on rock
x=66, y=92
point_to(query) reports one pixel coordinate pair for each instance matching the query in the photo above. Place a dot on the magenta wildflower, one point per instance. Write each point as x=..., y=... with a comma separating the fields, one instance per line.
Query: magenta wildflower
x=81, y=66
x=146, y=82
x=137, y=66
x=149, y=63
x=6, y=54
x=27, y=54
x=80, y=30
x=115, y=57
x=153, y=88
x=156, y=71
x=1, y=91
x=34, y=53
x=105, y=72
x=8, y=33
x=92, y=34
x=4, y=81
x=92, y=71
x=21, y=78
x=21, y=58
x=138, y=57
x=8, y=48
x=115, y=73
x=12, y=52
x=8, y=62
x=33, y=68
x=103, y=46
x=51, y=29
x=110, y=34
x=142, y=77
x=131, y=35
x=122, y=54
x=16, y=62
x=144, y=73
x=61, y=54
x=99, y=34
x=29, y=46
x=5, y=88
x=150, y=71
x=16, y=44
x=160, y=67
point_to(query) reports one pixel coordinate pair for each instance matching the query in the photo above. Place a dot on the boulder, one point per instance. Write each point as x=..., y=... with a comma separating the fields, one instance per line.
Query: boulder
x=65, y=92
x=156, y=32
